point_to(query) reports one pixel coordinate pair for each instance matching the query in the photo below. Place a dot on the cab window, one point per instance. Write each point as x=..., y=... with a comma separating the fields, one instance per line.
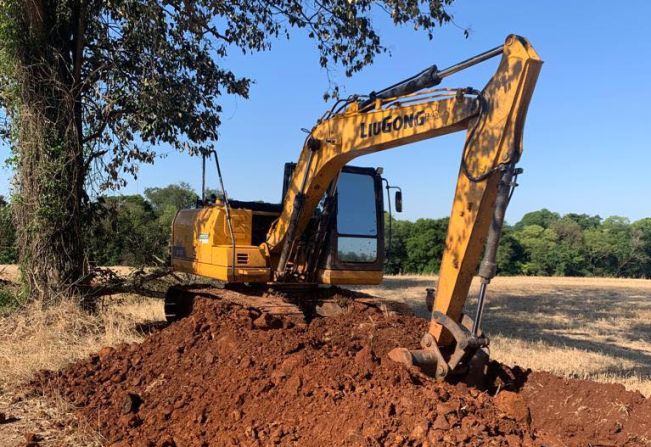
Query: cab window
x=356, y=218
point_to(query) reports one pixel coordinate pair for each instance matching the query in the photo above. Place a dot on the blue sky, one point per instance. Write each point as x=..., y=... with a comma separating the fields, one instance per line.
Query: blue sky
x=585, y=150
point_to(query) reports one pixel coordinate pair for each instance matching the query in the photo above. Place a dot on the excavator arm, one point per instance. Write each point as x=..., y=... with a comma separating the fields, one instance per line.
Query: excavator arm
x=408, y=112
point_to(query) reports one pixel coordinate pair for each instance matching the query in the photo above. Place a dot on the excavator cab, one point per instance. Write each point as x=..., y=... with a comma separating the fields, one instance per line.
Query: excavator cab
x=345, y=236
x=354, y=236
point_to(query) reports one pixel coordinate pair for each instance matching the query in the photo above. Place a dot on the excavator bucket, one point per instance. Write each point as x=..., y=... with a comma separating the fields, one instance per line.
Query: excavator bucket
x=468, y=358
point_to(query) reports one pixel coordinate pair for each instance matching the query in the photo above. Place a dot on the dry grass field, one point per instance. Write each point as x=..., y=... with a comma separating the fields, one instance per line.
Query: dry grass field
x=596, y=328
x=33, y=338
x=578, y=327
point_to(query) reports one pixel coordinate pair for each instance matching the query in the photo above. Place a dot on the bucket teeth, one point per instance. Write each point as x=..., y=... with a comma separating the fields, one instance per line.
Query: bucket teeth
x=401, y=355
x=428, y=361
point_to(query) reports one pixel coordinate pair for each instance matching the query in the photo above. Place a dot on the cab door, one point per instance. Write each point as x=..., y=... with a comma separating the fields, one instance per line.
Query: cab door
x=356, y=252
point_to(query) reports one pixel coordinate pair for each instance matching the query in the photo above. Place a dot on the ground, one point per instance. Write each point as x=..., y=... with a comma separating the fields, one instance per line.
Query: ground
x=594, y=328
x=587, y=328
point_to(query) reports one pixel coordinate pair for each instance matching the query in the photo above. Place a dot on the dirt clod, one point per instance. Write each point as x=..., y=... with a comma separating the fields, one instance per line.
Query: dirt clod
x=104, y=353
x=267, y=321
x=513, y=406
x=237, y=382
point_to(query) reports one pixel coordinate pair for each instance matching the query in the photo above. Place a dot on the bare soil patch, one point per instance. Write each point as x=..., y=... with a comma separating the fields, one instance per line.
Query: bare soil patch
x=575, y=327
x=33, y=338
x=216, y=378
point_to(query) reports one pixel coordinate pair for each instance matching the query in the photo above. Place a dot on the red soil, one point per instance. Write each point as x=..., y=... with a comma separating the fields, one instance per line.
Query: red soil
x=222, y=377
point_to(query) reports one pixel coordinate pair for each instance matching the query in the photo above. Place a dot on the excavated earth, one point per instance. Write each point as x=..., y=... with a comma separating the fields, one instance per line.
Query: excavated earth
x=229, y=375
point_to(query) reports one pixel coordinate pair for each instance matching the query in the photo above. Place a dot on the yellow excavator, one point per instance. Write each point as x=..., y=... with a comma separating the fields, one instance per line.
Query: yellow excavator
x=329, y=227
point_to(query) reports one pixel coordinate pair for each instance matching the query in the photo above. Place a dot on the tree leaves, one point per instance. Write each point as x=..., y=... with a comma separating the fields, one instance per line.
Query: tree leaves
x=151, y=72
x=91, y=88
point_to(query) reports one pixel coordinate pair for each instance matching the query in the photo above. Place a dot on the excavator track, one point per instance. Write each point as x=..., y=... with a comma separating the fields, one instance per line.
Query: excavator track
x=298, y=306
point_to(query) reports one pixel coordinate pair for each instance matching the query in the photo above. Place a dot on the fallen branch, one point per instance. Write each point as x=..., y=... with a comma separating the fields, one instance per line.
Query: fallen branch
x=106, y=282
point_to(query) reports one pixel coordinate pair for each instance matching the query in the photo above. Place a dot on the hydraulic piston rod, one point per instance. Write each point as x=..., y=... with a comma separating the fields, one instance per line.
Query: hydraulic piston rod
x=429, y=77
x=488, y=266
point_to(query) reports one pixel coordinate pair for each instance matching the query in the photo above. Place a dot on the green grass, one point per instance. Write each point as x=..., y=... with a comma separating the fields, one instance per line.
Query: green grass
x=8, y=299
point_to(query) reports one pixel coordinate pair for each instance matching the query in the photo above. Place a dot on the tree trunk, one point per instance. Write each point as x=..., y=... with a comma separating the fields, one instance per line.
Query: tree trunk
x=48, y=208
x=50, y=167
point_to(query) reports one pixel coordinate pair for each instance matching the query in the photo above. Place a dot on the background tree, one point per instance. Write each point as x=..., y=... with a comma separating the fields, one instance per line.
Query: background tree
x=7, y=234
x=171, y=197
x=543, y=243
x=570, y=253
x=510, y=254
x=540, y=245
x=424, y=245
x=167, y=201
x=543, y=218
x=126, y=231
x=396, y=250
x=91, y=87
x=641, y=231
x=584, y=221
x=612, y=248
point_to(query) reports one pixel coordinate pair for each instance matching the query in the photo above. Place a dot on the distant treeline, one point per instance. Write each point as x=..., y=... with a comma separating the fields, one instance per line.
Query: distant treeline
x=119, y=230
x=542, y=243
x=135, y=230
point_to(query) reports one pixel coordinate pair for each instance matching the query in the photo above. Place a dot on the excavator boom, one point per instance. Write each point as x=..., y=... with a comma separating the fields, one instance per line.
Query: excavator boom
x=494, y=119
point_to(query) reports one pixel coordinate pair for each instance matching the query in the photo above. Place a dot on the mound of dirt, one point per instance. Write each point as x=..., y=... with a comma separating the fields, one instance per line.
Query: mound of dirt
x=227, y=375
